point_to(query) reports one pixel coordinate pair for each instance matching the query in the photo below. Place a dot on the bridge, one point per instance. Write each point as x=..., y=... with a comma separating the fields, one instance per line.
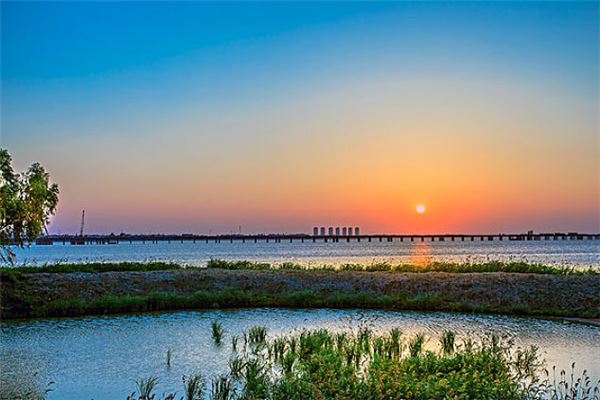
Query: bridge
x=302, y=238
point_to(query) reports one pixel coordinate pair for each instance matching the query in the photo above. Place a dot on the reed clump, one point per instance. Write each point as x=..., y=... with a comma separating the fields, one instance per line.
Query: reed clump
x=217, y=332
x=321, y=364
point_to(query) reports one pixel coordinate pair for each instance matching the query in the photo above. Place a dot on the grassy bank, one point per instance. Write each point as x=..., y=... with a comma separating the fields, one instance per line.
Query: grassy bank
x=119, y=288
x=365, y=365
x=492, y=266
x=95, y=267
x=232, y=298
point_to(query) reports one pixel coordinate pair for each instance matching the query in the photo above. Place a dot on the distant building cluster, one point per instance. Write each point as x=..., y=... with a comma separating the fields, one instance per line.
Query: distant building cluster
x=336, y=231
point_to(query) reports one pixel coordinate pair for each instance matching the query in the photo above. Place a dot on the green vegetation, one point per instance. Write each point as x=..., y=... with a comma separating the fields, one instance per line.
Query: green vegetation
x=194, y=387
x=27, y=201
x=92, y=267
x=26, y=293
x=235, y=298
x=217, y=332
x=169, y=357
x=491, y=266
x=144, y=389
x=364, y=365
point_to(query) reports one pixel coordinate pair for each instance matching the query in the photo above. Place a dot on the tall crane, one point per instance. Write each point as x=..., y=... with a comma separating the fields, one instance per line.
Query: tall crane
x=82, y=223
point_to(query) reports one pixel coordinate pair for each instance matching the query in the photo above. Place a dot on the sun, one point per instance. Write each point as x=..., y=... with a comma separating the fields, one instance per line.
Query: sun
x=421, y=209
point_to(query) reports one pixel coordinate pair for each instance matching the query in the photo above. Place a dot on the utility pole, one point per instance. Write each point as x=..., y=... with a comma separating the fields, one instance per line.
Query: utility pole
x=82, y=223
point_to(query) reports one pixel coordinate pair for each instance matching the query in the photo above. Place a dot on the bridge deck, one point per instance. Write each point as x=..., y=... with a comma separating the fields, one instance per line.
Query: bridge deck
x=278, y=238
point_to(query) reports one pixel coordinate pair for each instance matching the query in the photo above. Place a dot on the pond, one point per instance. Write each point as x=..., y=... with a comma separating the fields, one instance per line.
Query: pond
x=101, y=357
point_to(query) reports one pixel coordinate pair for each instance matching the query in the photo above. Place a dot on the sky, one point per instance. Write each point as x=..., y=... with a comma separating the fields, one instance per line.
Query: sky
x=277, y=117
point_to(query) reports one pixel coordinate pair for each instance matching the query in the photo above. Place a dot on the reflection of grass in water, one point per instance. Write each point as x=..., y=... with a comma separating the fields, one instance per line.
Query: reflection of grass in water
x=18, y=381
x=365, y=365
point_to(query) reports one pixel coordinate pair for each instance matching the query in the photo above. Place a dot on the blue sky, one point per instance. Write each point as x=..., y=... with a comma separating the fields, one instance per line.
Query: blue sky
x=112, y=87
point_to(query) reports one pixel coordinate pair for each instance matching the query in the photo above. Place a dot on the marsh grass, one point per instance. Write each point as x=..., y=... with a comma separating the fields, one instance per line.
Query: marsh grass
x=256, y=335
x=234, y=298
x=145, y=389
x=29, y=390
x=467, y=267
x=93, y=267
x=362, y=364
x=569, y=387
x=169, y=356
x=222, y=388
x=447, y=342
x=194, y=387
x=217, y=332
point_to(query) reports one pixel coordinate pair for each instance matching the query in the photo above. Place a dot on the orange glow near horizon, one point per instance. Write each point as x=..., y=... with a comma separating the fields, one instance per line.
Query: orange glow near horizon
x=491, y=156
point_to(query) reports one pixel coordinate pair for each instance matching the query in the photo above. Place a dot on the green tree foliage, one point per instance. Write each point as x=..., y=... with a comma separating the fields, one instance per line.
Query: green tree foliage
x=27, y=200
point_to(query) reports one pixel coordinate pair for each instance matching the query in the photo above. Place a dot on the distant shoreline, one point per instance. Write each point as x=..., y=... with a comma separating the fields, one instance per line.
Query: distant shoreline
x=65, y=294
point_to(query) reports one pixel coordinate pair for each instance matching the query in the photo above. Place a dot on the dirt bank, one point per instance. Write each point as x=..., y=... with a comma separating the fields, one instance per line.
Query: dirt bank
x=495, y=292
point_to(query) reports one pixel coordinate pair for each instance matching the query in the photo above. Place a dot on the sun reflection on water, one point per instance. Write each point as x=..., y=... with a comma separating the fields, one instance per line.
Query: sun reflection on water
x=421, y=254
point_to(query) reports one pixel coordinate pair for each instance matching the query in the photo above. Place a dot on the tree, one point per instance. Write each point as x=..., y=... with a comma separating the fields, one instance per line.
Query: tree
x=27, y=201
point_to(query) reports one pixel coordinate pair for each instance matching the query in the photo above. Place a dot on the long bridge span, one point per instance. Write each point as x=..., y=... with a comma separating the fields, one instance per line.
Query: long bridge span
x=291, y=238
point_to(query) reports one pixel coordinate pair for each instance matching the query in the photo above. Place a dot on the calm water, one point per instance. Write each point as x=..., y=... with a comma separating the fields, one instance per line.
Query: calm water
x=580, y=253
x=100, y=357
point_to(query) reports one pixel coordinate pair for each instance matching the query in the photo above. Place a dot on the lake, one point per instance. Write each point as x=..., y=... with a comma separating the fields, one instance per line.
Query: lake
x=100, y=357
x=577, y=253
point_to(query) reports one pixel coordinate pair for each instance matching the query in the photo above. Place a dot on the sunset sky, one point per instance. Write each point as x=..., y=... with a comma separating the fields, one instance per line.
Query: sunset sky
x=190, y=117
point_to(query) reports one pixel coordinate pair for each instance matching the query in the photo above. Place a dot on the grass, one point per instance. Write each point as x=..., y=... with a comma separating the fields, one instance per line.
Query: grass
x=169, y=357
x=144, y=389
x=491, y=266
x=92, y=267
x=22, y=296
x=237, y=298
x=217, y=332
x=325, y=365
x=194, y=387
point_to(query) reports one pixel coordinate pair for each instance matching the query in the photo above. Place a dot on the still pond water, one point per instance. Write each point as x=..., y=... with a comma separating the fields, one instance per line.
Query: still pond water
x=100, y=357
